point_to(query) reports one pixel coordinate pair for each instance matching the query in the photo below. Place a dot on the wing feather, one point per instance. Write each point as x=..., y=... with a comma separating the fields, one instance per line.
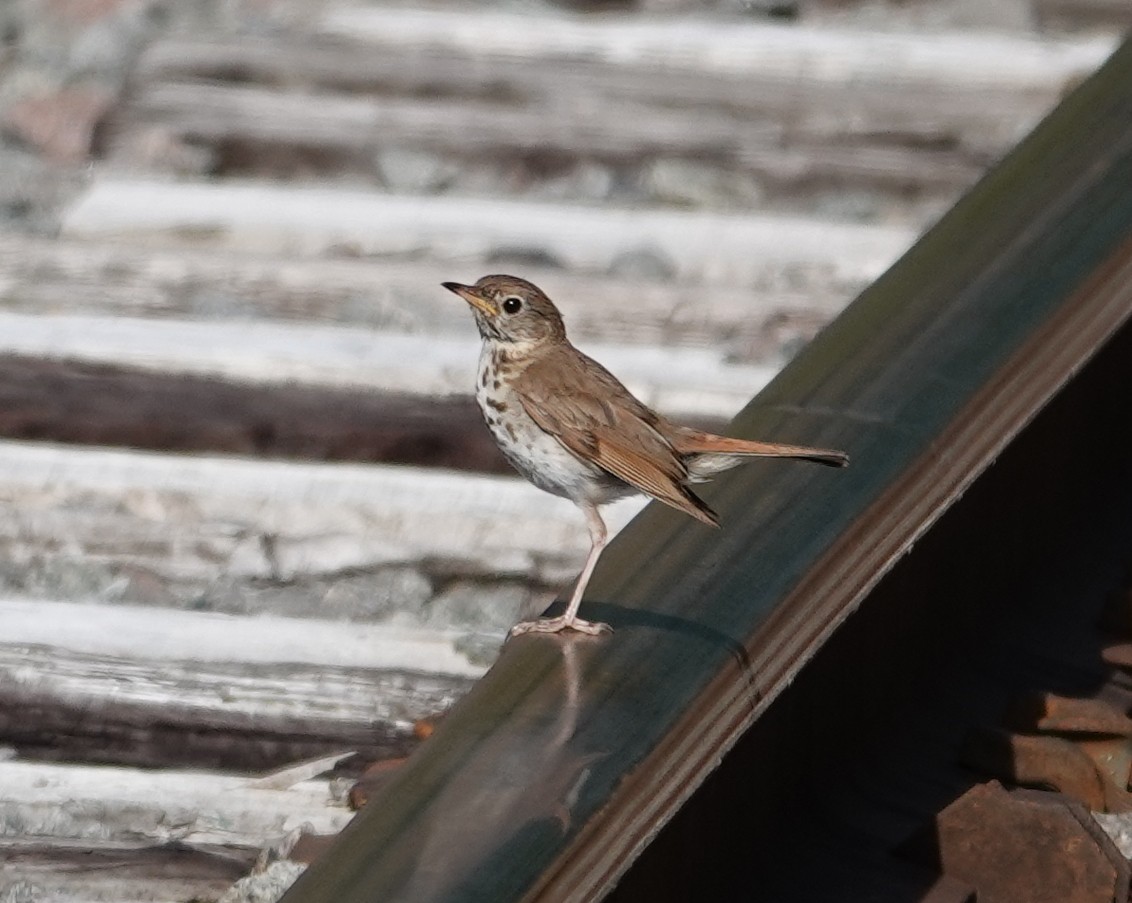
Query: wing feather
x=596, y=418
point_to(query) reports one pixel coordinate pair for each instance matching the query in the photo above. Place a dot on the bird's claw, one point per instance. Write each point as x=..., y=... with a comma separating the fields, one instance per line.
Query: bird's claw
x=557, y=625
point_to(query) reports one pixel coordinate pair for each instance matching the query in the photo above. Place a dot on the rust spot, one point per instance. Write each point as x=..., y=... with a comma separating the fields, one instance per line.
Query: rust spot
x=1002, y=844
x=372, y=778
x=423, y=728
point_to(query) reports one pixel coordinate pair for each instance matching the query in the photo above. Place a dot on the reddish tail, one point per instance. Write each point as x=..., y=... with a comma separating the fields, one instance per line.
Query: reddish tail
x=694, y=442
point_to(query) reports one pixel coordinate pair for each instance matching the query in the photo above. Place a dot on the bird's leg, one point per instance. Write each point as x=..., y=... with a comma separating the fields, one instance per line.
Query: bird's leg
x=598, y=538
x=570, y=620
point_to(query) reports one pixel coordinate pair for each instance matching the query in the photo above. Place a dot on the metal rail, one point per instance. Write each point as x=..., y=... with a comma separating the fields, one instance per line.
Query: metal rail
x=562, y=765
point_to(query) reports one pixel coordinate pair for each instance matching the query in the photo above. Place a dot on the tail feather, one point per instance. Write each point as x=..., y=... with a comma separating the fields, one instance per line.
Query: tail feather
x=705, y=454
x=696, y=442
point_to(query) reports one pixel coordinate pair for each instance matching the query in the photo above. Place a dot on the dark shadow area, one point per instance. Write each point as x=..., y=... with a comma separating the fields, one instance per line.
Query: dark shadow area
x=102, y=404
x=1001, y=596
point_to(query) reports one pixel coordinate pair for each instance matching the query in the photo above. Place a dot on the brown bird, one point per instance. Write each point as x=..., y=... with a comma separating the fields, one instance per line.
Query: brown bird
x=570, y=427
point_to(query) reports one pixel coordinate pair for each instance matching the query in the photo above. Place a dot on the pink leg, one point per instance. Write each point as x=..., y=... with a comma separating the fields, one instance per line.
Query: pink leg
x=570, y=620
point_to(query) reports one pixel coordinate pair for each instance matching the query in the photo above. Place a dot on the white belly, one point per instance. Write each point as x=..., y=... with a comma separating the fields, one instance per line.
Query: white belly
x=537, y=455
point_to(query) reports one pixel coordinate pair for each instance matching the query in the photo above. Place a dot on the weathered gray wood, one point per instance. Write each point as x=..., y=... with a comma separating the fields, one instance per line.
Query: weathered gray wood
x=82, y=403
x=90, y=871
x=120, y=805
x=68, y=276
x=826, y=54
x=698, y=381
x=981, y=90
x=251, y=536
x=353, y=131
x=364, y=125
x=155, y=687
x=307, y=221
x=175, y=639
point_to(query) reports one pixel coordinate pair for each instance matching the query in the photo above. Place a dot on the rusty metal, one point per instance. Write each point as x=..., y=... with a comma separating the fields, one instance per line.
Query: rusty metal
x=1030, y=761
x=372, y=779
x=1051, y=713
x=1119, y=655
x=1023, y=846
x=1113, y=756
x=1097, y=728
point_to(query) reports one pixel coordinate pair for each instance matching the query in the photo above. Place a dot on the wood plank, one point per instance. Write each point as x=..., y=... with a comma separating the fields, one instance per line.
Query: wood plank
x=127, y=805
x=695, y=381
x=162, y=636
x=91, y=404
x=69, y=276
x=96, y=872
x=95, y=404
x=979, y=90
x=155, y=687
x=364, y=125
x=247, y=129
x=307, y=221
x=228, y=534
x=182, y=719
x=733, y=48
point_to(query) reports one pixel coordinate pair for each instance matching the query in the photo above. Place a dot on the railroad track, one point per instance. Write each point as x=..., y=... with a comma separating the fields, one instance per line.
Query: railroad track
x=234, y=411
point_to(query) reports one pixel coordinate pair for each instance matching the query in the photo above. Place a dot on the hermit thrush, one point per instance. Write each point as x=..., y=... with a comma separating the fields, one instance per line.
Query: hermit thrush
x=570, y=427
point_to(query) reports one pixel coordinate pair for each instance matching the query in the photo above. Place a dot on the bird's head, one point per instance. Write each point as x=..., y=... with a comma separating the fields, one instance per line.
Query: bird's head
x=510, y=309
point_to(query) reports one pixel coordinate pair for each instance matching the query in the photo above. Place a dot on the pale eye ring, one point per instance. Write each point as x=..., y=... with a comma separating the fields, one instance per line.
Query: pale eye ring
x=512, y=305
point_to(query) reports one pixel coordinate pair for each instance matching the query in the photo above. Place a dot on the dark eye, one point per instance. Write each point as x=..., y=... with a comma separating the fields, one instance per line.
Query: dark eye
x=512, y=305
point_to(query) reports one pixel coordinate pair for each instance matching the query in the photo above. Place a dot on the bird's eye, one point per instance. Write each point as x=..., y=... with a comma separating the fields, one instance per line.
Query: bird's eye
x=512, y=305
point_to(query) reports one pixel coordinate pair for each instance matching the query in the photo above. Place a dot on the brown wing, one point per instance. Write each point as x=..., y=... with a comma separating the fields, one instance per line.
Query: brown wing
x=595, y=417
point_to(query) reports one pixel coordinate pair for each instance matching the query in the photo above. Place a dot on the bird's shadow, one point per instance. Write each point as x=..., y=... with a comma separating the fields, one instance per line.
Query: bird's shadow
x=625, y=620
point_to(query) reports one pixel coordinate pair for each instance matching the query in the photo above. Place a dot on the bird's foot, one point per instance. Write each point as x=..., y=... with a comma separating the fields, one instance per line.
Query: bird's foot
x=557, y=625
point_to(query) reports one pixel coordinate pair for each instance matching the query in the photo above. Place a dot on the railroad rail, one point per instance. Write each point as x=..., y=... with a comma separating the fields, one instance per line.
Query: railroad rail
x=981, y=389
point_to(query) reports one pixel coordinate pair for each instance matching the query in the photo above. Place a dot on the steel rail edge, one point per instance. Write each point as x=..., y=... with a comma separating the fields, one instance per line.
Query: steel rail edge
x=555, y=771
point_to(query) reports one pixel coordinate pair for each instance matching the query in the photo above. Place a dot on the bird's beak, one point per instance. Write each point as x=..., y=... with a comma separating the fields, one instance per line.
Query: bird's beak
x=469, y=294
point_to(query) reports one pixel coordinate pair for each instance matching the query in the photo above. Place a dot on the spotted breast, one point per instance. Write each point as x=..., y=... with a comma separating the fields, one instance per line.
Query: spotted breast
x=536, y=454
